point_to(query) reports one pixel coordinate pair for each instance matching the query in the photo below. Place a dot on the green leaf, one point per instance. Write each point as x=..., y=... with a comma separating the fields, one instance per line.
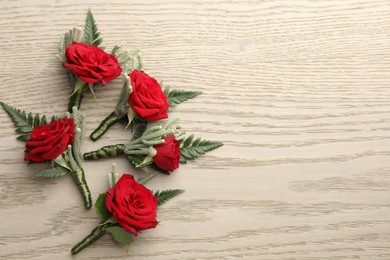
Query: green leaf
x=177, y=96
x=182, y=160
x=137, y=161
x=165, y=195
x=134, y=159
x=120, y=235
x=113, y=176
x=100, y=207
x=52, y=172
x=166, y=91
x=123, y=58
x=115, y=50
x=129, y=61
x=23, y=138
x=30, y=119
x=43, y=121
x=36, y=120
x=197, y=141
x=188, y=141
x=191, y=150
x=24, y=130
x=24, y=122
x=131, y=114
x=91, y=31
x=73, y=35
x=156, y=168
x=140, y=130
x=136, y=60
x=63, y=161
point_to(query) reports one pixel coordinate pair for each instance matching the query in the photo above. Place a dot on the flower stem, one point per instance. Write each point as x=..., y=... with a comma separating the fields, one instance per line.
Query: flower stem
x=96, y=233
x=77, y=95
x=109, y=121
x=75, y=100
x=105, y=152
x=79, y=178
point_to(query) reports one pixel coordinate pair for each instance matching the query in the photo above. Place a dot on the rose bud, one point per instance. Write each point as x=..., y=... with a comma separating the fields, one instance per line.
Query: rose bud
x=168, y=154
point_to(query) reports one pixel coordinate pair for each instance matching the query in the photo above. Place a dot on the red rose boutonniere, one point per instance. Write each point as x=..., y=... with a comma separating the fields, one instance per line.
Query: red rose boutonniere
x=143, y=100
x=147, y=99
x=159, y=148
x=127, y=208
x=91, y=64
x=82, y=54
x=57, y=142
x=132, y=205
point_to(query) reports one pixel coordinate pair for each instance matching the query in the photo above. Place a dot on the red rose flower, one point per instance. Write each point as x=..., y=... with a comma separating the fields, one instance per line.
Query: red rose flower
x=48, y=141
x=133, y=205
x=91, y=64
x=168, y=154
x=147, y=99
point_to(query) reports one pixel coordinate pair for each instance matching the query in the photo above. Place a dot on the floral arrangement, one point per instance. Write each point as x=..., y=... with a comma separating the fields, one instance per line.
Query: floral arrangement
x=158, y=144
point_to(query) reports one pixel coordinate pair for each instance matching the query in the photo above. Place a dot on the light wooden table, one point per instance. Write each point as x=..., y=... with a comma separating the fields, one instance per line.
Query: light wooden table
x=299, y=92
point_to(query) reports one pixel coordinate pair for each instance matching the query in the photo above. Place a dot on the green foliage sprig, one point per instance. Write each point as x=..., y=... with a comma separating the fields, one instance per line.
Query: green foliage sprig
x=24, y=122
x=91, y=31
x=192, y=149
x=73, y=35
x=165, y=195
x=177, y=96
x=52, y=171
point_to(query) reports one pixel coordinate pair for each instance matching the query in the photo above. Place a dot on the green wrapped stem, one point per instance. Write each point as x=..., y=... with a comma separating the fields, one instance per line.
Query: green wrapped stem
x=109, y=121
x=105, y=152
x=79, y=178
x=75, y=100
x=78, y=93
x=97, y=233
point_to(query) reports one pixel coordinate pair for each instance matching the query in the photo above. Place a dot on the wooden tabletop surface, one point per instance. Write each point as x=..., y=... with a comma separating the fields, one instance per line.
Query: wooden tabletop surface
x=298, y=91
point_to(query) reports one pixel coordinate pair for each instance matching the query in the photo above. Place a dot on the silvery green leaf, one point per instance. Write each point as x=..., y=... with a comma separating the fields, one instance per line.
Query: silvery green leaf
x=52, y=172
x=131, y=114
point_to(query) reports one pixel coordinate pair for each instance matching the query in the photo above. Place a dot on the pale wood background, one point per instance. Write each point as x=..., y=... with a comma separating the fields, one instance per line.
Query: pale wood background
x=297, y=90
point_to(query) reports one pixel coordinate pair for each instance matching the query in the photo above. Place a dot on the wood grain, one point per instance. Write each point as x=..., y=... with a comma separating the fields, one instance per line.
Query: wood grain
x=297, y=90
